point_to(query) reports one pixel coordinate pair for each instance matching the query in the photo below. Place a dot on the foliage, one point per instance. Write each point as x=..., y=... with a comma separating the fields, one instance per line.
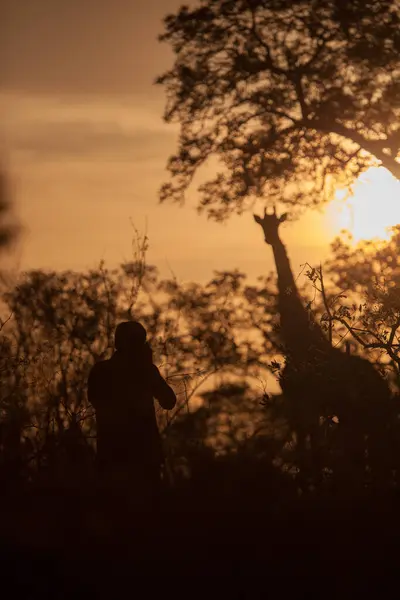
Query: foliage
x=224, y=335
x=8, y=229
x=293, y=98
x=64, y=322
x=364, y=299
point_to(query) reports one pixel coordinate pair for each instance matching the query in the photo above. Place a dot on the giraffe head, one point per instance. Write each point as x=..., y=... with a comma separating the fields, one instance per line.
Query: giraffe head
x=270, y=225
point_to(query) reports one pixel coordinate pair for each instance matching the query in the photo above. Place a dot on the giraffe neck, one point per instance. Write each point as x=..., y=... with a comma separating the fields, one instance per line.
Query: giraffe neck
x=298, y=331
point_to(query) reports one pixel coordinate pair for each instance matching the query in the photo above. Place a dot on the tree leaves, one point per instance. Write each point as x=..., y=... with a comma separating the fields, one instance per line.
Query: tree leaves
x=8, y=229
x=284, y=96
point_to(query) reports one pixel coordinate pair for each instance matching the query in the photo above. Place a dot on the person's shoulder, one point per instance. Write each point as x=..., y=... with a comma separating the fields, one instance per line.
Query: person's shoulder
x=155, y=371
x=101, y=366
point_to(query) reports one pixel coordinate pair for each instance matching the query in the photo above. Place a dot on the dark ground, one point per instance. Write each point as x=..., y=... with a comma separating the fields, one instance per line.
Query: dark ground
x=57, y=547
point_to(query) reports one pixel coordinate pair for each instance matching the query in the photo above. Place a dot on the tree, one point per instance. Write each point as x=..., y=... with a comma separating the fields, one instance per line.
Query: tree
x=63, y=322
x=293, y=97
x=365, y=300
x=233, y=445
x=8, y=230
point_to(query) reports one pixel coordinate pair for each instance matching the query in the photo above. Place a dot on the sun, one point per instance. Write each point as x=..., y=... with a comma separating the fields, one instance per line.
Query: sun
x=374, y=207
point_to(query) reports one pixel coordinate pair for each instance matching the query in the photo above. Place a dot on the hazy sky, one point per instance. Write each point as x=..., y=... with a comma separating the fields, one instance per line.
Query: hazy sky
x=82, y=132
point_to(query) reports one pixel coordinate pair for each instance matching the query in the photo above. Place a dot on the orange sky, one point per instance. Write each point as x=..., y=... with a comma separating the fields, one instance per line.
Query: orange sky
x=82, y=131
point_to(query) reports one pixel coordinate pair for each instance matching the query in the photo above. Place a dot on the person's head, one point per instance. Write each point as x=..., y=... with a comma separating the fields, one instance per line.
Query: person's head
x=129, y=336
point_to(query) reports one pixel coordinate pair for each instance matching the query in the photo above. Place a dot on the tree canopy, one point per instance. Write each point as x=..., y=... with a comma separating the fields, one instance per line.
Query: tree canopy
x=293, y=98
x=8, y=230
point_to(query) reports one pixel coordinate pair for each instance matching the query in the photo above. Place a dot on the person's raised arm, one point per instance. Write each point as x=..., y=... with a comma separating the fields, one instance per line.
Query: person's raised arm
x=162, y=391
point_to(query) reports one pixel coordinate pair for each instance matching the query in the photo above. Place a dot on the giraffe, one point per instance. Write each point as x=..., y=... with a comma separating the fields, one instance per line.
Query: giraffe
x=319, y=380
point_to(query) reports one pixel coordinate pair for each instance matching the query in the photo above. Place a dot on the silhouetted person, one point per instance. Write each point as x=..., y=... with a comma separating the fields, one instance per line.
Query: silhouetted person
x=122, y=391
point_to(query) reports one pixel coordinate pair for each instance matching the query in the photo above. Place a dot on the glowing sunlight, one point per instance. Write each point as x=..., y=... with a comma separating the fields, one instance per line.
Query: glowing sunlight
x=371, y=210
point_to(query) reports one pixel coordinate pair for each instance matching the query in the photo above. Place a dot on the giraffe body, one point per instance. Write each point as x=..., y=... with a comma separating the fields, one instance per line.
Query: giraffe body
x=320, y=381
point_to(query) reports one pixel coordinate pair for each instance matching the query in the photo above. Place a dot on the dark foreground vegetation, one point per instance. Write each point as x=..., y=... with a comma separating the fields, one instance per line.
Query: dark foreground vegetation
x=237, y=521
x=238, y=500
